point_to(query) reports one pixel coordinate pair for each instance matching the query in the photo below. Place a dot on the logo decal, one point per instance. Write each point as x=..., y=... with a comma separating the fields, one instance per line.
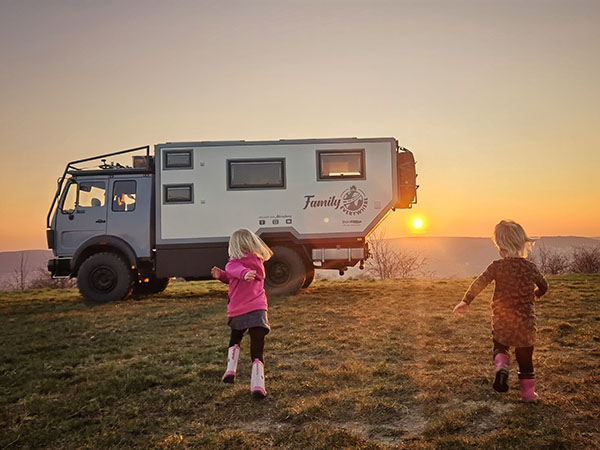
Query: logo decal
x=352, y=201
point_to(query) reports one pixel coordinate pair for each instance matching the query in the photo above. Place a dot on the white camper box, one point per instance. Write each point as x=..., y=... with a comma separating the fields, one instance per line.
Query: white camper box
x=323, y=195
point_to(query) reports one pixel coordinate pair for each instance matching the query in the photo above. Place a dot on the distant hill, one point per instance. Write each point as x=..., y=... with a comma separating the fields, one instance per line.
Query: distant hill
x=445, y=257
x=34, y=261
x=451, y=257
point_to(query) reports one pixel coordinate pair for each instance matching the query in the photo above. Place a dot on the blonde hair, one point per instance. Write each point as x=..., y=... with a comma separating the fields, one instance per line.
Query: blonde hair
x=511, y=239
x=244, y=242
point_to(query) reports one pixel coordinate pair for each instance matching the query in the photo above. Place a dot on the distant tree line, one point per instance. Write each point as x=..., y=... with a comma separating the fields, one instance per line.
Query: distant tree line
x=386, y=262
x=575, y=260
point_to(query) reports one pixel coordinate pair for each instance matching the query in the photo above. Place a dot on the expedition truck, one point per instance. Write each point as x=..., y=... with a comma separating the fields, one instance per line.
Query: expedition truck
x=123, y=228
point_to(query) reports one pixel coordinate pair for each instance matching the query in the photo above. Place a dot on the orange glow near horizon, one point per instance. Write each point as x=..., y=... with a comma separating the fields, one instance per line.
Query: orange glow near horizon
x=483, y=153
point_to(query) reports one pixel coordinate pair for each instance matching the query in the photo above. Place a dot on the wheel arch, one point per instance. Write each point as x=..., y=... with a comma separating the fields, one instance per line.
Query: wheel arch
x=287, y=239
x=103, y=243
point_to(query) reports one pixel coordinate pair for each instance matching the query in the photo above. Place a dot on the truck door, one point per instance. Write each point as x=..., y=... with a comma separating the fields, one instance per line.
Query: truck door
x=81, y=214
x=129, y=212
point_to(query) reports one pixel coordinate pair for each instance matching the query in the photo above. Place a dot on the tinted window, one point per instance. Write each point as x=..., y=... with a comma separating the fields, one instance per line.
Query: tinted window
x=178, y=159
x=341, y=164
x=256, y=174
x=181, y=193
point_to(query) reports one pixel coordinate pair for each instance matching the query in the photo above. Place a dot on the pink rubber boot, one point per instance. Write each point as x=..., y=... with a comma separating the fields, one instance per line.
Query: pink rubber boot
x=257, y=381
x=232, y=360
x=528, y=390
x=501, y=364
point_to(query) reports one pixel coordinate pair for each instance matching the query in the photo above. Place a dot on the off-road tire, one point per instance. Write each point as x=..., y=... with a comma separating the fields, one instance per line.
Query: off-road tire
x=285, y=272
x=104, y=277
x=153, y=286
x=310, y=276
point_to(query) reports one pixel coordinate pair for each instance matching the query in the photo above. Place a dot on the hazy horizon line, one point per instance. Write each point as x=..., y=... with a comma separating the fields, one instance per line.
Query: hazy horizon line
x=385, y=237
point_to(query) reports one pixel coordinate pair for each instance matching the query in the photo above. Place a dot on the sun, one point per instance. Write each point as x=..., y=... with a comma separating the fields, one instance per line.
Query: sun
x=417, y=223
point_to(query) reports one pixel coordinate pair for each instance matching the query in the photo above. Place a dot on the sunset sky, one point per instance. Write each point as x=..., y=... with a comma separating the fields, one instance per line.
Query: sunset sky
x=499, y=101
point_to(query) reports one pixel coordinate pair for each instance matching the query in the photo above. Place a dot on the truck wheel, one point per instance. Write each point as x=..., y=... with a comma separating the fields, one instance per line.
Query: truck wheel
x=310, y=276
x=104, y=277
x=285, y=272
x=152, y=286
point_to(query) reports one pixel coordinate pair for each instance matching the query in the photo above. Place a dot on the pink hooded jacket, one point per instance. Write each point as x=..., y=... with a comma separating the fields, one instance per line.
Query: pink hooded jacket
x=244, y=296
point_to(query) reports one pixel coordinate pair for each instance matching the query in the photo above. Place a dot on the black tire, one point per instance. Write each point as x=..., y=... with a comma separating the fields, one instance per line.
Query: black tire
x=310, y=276
x=286, y=272
x=104, y=277
x=152, y=286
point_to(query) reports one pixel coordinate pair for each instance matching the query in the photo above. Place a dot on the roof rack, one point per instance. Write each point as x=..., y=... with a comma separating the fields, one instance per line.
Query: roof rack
x=71, y=166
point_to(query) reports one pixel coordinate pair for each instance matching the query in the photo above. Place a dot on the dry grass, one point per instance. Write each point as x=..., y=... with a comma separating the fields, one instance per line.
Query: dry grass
x=353, y=364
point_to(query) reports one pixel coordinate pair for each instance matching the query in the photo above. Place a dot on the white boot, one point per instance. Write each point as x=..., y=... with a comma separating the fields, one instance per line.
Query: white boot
x=232, y=359
x=257, y=382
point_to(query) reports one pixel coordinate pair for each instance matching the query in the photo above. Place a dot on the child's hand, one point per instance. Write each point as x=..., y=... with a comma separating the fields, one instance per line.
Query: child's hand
x=215, y=272
x=461, y=308
x=250, y=275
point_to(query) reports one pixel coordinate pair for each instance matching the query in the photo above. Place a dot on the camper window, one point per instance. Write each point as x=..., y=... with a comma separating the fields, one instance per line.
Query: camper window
x=256, y=174
x=178, y=193
x=178, y=159
x=338, y=164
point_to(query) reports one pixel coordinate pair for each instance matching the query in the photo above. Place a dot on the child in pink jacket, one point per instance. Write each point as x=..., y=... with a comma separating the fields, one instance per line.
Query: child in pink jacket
x=247, y=306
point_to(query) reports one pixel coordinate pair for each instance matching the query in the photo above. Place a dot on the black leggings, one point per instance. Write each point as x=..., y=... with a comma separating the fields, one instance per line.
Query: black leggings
x=257, y=341
x=524, y=357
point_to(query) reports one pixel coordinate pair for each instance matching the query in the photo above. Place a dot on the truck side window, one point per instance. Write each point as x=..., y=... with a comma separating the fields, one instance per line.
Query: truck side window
x=341, y=164
x=70, y=199
x=92, y=194
x=256, y=174
x=124, y=193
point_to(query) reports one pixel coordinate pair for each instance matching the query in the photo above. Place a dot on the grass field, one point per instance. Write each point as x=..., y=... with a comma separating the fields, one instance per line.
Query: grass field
x=349, y=364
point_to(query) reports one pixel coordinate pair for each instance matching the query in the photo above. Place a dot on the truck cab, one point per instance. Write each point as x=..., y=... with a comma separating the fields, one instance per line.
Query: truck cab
x=104, y=213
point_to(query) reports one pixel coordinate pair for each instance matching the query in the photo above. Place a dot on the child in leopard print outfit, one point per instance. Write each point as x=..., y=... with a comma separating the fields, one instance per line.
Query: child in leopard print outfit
x=513, y=316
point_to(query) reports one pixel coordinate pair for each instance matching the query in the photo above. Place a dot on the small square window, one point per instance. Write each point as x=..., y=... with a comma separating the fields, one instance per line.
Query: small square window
x=341, y=164
x=180, y=193
x=178, y=159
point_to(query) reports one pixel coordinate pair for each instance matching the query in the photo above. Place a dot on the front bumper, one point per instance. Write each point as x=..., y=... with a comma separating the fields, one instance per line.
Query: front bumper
x=59, y=267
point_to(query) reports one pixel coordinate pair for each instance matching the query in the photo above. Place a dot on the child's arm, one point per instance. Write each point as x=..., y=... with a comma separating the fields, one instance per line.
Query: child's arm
x=219, y=274
x=250, y=275
x=236, y=269
x=461, y=308
x=542, y=286
x=476, y=287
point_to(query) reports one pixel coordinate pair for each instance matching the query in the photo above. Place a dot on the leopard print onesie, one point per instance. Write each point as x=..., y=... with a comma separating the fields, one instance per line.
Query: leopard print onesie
x=513, y=315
